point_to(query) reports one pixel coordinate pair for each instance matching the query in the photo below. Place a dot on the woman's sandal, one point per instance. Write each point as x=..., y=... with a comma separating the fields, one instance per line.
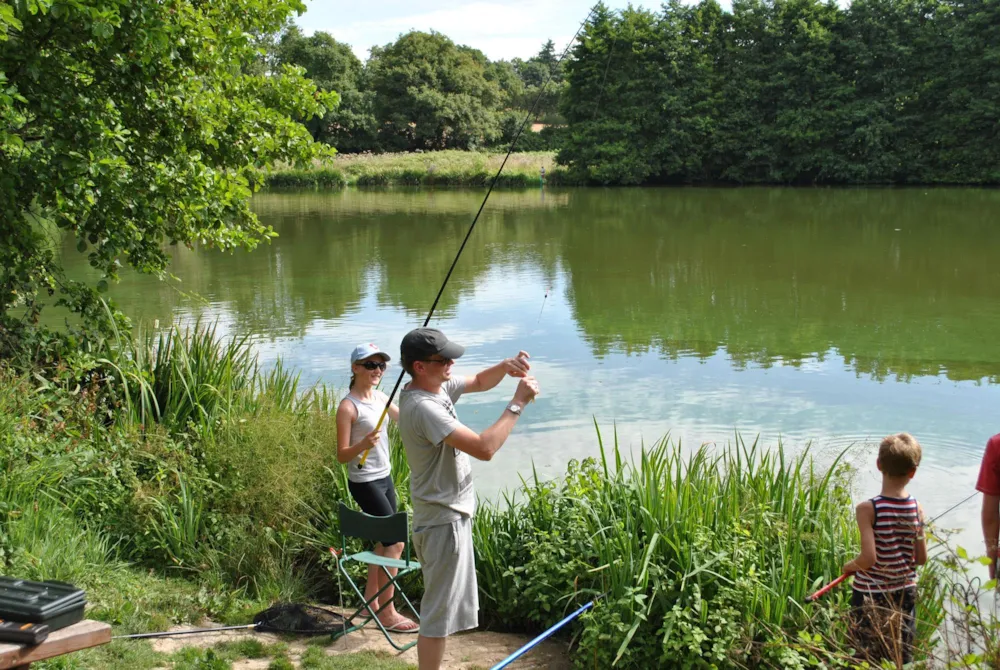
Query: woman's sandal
x=404, y=626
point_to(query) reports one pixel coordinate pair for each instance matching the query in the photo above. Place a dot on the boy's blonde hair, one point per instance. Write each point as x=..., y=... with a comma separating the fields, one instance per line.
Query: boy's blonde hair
x=899, y=454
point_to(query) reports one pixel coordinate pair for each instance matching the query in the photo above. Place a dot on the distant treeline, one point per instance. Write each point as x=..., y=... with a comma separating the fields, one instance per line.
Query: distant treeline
x=788, y=91
x=776, y=91
x=424, y=92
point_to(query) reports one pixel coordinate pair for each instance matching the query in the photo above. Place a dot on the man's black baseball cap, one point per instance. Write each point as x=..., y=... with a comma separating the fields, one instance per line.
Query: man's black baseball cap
x=421, y=343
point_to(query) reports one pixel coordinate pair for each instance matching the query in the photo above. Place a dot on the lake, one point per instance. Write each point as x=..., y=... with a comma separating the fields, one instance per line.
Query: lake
x=826, y=316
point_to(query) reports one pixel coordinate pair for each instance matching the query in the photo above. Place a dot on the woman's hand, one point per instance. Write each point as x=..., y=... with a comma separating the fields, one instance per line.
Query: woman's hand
x=370, y=440
x=517, y=366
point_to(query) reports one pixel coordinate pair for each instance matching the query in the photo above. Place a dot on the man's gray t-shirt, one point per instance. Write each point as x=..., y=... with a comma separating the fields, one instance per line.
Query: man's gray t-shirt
x=440, y=476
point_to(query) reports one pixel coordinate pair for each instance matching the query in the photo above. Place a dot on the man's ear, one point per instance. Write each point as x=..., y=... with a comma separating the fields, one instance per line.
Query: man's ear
x=878, y=464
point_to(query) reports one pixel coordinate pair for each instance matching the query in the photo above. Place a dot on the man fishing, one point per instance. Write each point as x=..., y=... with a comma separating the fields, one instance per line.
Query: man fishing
x=438, y=447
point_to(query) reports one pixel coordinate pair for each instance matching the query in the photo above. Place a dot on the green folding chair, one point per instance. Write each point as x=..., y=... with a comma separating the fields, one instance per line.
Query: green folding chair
x=387, y=530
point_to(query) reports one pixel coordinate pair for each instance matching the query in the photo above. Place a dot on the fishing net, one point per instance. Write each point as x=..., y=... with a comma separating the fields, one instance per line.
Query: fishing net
x=300, y=619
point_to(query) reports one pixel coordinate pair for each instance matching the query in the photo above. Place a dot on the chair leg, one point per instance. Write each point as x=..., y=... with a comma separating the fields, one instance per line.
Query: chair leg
x=366, y=603
x=374, y=613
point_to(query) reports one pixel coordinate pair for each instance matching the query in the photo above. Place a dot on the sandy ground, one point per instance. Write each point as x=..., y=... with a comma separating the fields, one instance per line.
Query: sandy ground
x=474, y=649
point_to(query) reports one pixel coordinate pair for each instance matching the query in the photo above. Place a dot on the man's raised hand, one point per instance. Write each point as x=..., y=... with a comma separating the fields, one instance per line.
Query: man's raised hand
x=526, y=391
x=517, y=366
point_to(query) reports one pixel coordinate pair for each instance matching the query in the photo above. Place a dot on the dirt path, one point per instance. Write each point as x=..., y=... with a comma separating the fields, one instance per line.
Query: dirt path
x=481, y=649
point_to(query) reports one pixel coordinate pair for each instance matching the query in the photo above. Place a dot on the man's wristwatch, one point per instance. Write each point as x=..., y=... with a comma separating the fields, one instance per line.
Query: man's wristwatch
x=515, y=408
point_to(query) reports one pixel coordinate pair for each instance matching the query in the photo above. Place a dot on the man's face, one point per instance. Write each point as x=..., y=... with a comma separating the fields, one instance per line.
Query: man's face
x=435, y=368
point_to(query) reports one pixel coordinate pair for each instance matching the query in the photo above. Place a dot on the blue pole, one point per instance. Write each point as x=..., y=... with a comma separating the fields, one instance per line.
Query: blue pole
x=526, y=648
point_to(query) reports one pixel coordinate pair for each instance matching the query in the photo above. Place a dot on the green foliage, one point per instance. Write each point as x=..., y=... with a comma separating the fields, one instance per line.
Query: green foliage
x=438, y=168
x=332, y=66
x=424, y=92
x=131, y=125
x=433, y=94
x=315, y=659
x=541, y=74
x=702, y=557
x=193, y=658
x=786, y=91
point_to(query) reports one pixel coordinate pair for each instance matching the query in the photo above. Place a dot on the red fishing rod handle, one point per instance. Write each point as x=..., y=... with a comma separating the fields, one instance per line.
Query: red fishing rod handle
x=826, y=589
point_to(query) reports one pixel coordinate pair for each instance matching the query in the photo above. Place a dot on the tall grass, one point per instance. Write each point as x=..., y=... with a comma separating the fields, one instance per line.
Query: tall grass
x=437, y=168
x=701, y=556
x=40, y=537
x=191, y=377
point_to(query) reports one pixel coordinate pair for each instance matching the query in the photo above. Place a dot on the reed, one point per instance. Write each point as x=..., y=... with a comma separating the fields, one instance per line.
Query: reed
x=700, y=554
x=438, y=168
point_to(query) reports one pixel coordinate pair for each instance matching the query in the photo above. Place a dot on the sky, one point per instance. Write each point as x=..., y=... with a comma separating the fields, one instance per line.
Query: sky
x=502, y=29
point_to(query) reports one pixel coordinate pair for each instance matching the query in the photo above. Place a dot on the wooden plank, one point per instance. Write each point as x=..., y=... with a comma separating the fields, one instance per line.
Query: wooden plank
x=81, y=635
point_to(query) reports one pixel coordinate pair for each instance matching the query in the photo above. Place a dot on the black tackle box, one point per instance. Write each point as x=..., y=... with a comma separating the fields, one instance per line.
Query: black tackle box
x=56, y=604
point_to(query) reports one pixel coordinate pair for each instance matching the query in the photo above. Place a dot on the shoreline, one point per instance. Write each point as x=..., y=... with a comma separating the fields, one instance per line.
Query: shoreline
x=454, y=168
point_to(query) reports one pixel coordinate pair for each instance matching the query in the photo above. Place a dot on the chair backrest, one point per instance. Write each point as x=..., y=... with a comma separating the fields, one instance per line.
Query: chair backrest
x=384, y=529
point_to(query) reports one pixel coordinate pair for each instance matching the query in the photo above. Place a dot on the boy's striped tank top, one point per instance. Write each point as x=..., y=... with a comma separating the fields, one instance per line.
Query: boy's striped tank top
x=897, y=524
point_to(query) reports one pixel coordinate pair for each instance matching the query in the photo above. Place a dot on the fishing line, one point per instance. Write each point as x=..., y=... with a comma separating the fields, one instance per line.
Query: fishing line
x=961, y=502
x=547, y=291
x=496, y=177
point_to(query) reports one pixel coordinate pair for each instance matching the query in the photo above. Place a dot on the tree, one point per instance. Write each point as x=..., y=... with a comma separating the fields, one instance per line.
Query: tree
x=611, y=105
x=333, y=67
x=131, y=125
x=542, y=72
x=432, y=94
x=330, y=64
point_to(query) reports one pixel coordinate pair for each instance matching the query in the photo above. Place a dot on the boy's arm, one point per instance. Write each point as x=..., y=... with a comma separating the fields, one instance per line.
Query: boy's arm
x=865, y=515
x=920, y=543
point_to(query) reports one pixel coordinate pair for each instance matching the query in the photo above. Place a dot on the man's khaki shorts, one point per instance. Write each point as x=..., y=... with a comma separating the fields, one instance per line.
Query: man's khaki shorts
x=451, y=593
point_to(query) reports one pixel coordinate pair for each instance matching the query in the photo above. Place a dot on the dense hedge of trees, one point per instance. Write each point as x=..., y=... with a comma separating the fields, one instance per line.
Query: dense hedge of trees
x=424, y=92
x=774, y=91
x=788, y=91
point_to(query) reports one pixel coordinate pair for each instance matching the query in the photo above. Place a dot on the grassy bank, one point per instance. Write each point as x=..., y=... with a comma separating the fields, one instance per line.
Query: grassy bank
x=175, y=480
x=439, y=168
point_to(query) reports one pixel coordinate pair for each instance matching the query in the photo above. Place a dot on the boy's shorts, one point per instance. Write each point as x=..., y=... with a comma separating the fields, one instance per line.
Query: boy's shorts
x=451, y=593
x=884, y=625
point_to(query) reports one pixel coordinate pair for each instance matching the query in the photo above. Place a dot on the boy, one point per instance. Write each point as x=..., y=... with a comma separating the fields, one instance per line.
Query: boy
x=883, y=605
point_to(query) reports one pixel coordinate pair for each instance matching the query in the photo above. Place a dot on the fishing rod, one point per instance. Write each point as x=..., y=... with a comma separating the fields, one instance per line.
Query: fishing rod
x=829, y=587
x=547, y=633
x=458, y=255
x=192, y=631
x=826, y=589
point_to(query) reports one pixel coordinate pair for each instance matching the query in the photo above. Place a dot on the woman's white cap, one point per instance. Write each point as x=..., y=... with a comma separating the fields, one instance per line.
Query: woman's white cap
x=365, y=350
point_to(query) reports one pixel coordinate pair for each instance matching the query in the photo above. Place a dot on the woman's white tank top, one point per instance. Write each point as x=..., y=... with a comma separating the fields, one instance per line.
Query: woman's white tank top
x=377, y=465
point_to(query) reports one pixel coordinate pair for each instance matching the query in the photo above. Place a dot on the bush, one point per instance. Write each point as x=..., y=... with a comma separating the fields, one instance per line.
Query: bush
x=700, y=558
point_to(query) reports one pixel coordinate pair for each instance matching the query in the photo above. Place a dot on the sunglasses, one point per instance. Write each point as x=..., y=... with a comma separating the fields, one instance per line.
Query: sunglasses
x=442, y=361
x=372, y=365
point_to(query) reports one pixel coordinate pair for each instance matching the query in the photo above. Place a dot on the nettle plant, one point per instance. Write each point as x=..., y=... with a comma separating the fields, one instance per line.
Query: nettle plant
x=133, y=125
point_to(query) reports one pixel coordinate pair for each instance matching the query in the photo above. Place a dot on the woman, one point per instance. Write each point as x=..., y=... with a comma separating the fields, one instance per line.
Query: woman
x=371, y=486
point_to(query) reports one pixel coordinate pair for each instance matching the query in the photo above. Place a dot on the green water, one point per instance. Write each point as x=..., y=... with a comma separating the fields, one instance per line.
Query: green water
x=835, y=316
